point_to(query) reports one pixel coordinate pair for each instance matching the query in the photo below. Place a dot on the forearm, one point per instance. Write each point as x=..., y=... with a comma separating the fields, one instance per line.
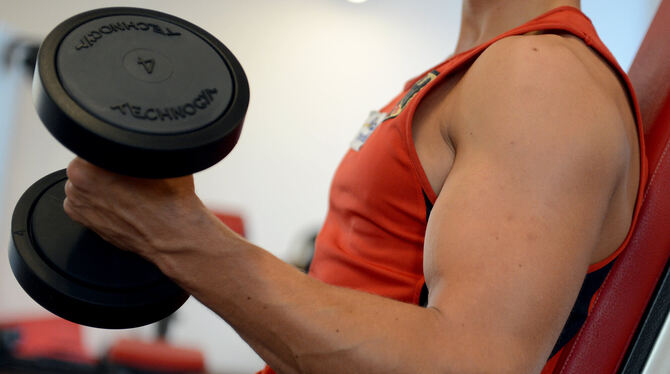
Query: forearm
x=296, y=323
x=299, y=324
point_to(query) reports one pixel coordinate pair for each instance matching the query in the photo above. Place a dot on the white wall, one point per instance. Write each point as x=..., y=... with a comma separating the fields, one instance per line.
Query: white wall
x=9, y=80
x=621, y=24
x=316, y=68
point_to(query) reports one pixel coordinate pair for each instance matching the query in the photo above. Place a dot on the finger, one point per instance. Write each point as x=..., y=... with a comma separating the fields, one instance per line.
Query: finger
x=72, y=211
x=77, y=173
x=75, y=199
x=85, y=175
x=76, y=196
x=69, y=188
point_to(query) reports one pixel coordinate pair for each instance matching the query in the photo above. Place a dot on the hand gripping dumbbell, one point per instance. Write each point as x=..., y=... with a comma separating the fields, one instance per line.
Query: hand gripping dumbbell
x=137, y=92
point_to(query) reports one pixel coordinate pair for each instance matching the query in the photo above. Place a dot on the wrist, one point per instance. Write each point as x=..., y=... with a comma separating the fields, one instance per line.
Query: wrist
x=203, y=246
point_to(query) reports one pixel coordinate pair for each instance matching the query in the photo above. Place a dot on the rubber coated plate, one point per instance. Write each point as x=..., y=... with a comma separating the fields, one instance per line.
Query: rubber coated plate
x=75, y=274
x=144, y=74
x=140, y=92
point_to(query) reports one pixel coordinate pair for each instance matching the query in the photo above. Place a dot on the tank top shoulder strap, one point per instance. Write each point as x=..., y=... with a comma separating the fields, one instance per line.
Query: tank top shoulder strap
x=566, y=19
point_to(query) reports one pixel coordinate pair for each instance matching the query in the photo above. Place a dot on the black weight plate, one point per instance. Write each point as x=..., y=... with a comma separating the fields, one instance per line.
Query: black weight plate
x=140, y=92
x=73, y=273
x=145, y=75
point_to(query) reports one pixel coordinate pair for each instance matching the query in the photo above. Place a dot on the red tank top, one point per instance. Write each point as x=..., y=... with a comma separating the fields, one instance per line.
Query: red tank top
x=380, y=198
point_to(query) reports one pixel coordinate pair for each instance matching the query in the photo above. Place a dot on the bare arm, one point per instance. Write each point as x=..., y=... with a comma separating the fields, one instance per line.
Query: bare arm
x=507, y=245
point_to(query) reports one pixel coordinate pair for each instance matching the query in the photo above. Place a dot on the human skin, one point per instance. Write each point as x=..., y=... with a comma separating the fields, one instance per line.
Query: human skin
x=533, y=152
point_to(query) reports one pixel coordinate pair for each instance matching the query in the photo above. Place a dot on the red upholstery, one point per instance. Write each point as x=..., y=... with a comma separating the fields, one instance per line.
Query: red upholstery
x=48, y=338
x=601, y=345
x=157, y=357
x=234, y=222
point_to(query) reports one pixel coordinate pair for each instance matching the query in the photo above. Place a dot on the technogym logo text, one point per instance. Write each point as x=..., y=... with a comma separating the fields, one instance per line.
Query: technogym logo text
x=91, y=38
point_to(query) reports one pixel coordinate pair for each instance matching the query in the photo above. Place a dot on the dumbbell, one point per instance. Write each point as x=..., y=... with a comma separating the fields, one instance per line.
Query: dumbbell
x=140, y=93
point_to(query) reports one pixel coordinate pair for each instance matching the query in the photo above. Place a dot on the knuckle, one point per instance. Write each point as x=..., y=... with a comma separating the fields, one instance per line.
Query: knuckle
x=71, y=210
x=74, y=172
x=69, y=189
x=73, y=195
x=80, y=173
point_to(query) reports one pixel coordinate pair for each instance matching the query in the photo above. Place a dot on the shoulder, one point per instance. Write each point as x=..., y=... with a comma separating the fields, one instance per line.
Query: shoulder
x=538, y=67
x=542, y=87
x=539, y=100
x=539, y=58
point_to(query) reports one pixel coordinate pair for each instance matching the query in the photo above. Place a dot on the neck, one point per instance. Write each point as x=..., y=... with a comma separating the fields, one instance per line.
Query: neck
x=483, y=20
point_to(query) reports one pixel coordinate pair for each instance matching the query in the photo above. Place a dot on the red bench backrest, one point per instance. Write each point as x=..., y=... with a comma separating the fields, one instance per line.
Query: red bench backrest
x=602, y=344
